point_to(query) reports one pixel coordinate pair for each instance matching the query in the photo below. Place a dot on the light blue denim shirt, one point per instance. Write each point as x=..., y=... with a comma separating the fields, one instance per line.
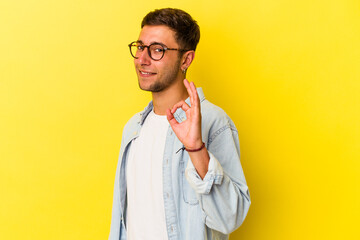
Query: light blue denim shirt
x=195, y=208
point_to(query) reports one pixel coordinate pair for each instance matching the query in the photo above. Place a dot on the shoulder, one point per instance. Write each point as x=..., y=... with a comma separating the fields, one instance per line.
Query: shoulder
x=213, y=114
x=215, y=122
x=138, y=118
x=130, y=128
x=133, y=121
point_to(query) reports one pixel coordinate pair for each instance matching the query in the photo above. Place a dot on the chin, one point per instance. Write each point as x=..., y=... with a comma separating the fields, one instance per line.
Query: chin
x=155, y=87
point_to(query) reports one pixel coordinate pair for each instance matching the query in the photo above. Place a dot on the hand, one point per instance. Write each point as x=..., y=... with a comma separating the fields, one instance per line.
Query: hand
x=188, y=131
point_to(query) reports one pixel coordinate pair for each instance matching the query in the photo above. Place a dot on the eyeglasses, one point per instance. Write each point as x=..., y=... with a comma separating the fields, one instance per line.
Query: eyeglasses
x=156, y=51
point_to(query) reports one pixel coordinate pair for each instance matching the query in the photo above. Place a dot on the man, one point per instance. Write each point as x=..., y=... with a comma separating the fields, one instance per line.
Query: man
x=179, y=174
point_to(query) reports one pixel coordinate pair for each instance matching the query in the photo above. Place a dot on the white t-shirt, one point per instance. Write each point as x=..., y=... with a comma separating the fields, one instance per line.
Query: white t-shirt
x=145, y=212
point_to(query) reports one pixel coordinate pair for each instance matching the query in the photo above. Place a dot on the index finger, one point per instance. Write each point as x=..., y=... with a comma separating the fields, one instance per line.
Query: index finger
x=195, y=94
x=190, y=92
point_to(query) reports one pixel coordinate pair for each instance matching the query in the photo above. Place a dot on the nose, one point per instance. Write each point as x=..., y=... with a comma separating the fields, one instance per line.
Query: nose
x=144, y=58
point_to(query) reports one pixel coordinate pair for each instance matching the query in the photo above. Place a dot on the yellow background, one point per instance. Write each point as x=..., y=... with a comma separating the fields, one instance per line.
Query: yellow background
x=287, y=73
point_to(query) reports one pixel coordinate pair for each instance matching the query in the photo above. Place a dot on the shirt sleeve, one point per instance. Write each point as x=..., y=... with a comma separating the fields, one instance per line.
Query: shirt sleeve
x=213, y=176
x=223, y=193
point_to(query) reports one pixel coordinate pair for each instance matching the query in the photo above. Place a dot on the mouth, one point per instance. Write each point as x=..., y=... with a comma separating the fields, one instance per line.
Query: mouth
x=146, y=73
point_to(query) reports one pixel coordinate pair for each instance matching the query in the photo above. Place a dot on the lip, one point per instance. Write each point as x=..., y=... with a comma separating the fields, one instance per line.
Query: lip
x=144, y=73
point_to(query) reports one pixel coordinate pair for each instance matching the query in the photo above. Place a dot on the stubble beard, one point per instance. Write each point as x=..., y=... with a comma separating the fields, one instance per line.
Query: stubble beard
x=167, y=80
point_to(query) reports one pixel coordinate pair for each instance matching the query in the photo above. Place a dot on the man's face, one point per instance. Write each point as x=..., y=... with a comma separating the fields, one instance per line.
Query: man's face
x=156, y=76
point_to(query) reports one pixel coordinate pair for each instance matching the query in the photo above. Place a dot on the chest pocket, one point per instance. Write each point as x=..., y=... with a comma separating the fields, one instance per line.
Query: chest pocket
x=189, y=195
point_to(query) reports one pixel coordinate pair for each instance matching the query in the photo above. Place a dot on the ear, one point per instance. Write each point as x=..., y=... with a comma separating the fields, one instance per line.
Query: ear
x=187, y=59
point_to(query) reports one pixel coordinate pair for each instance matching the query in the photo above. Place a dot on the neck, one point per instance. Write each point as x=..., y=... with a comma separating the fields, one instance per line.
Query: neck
x=169, y=97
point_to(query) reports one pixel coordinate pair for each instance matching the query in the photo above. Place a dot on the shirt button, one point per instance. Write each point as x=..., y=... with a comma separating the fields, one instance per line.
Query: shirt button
x=172, y=228
x=167, y=195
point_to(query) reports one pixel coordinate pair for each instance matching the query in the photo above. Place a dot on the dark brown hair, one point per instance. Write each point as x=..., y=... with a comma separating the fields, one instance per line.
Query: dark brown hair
x=187, y=31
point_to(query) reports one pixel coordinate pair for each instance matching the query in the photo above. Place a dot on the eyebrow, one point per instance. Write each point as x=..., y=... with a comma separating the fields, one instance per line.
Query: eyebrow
x=139, y=41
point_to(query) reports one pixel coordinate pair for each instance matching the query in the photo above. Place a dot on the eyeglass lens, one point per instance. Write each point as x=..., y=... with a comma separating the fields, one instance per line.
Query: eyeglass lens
x=156, y=51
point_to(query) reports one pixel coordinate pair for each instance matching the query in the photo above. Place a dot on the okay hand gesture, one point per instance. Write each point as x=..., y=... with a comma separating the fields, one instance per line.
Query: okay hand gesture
x=188, y=131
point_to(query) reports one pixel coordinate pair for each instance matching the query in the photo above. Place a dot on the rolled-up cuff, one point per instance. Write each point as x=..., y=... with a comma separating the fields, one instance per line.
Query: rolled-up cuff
x=214, y=175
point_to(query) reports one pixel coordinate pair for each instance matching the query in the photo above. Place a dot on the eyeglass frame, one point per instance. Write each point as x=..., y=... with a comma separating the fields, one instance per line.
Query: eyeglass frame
x=154, y=43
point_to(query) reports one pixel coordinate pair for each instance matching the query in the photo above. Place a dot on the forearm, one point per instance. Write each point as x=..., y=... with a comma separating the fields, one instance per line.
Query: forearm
x=200, y=160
